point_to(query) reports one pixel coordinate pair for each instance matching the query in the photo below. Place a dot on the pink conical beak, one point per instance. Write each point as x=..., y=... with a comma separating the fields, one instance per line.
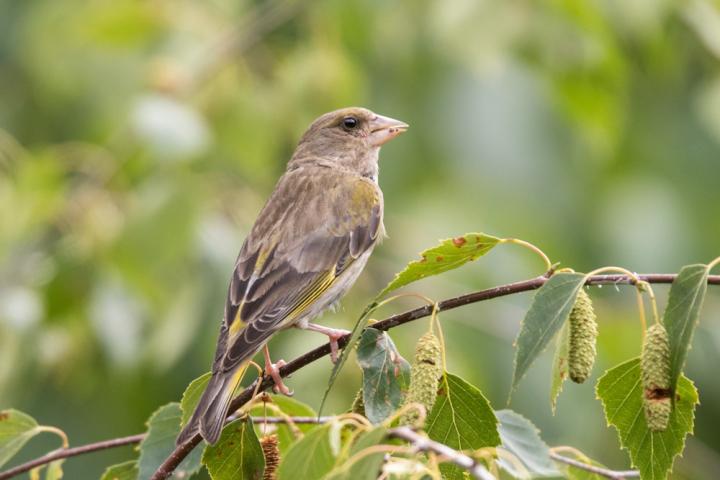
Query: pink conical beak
x=384, y=129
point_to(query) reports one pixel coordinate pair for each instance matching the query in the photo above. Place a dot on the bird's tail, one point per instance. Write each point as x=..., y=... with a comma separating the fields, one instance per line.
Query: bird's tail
x=211, y=410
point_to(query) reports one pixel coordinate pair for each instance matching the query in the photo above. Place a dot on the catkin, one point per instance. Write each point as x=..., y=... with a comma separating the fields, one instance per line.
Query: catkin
x=424, y=377
x=271, y=452
x=655, y=368
x=582, y=337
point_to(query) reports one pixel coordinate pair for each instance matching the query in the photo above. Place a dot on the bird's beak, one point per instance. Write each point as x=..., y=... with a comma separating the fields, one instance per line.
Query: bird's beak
x=384, y=129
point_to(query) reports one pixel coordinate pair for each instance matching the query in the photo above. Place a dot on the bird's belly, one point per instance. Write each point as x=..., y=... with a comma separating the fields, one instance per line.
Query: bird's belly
x=336, y=291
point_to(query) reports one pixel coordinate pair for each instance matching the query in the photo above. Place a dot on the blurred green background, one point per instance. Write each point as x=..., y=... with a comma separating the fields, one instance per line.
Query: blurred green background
x=139, y=139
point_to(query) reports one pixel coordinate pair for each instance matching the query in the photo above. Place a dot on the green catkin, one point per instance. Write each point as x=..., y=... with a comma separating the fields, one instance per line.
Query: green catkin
x=655, y=368
x=271, y=452
x=424, y=377
x=582, y=337
x=358, y=405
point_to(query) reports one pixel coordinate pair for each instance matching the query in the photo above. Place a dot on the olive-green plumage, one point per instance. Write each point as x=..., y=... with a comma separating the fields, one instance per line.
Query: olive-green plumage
x=424, y=377
x=655, y=368
x=582, y=338
x=307, y=247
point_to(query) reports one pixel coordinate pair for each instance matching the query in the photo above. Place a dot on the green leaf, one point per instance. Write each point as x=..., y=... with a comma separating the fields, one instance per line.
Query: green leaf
x=289, y=406
x=121, y=471
x=462, y=419
x=385, y=374
x=237, y=455
x=54, y=470
x=550, y=308
x=682, y=313
x=450, y=254
x=163, y=429
x=192, y=395
x=310, y=458
x=16, y=428
x=521, y=438
x=357, y=329
x=560, y=365
x=368, y=466
x=620, y=390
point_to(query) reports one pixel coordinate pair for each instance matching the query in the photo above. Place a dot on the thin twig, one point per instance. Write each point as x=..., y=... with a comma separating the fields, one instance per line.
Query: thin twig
x=424, y=444
x=603, y=472
x=245, y=396
x=71, y=452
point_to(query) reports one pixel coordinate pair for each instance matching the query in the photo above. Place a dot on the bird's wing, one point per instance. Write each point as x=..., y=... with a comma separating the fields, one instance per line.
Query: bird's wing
x=316, y=223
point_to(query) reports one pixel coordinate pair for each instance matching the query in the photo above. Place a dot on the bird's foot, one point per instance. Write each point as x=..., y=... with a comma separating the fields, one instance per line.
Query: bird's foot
x=333, y=334
x=273, y=369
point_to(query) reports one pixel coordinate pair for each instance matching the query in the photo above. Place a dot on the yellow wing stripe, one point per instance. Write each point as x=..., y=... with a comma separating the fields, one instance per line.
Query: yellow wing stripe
x=314, y=291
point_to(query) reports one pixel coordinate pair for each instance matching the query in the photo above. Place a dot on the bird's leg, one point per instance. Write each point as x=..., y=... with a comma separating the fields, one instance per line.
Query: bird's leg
x=273, y=369
x=333, y=334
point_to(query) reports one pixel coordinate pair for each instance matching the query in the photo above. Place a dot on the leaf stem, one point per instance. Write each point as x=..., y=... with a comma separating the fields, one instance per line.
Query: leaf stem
x=533, y=248
x=641, y=286
x=56, y=431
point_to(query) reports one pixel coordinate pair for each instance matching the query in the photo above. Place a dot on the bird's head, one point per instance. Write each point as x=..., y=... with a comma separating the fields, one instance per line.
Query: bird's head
x=347, y=138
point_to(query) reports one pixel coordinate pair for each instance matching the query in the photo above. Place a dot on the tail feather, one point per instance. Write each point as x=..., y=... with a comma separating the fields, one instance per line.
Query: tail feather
x=211, y=411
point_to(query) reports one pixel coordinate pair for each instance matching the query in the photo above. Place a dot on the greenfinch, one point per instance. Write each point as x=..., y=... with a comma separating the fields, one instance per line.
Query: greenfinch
x=307, y=247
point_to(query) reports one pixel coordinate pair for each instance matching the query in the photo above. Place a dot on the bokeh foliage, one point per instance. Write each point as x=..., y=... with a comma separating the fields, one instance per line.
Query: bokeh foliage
x=138, y=141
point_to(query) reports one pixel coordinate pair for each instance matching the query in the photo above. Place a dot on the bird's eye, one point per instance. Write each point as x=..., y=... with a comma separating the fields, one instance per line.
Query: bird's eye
x=350, y=123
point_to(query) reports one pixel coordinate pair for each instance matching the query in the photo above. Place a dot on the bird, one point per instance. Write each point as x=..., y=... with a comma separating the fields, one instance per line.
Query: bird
x=307, y=247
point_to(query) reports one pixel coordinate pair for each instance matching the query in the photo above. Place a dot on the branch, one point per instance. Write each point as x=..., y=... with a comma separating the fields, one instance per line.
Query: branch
x=245, y=396
x=71, y=452
x=603, y=472
x=424, y=444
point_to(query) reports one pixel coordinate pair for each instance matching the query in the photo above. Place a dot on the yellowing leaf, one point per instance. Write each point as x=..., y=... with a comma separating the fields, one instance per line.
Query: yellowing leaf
x=448, y=255
x=620, y=390
x=121, y=471
x=16, y=428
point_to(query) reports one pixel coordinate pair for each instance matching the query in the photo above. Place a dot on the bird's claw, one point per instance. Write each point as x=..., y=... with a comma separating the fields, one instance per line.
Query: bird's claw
x=273, y=369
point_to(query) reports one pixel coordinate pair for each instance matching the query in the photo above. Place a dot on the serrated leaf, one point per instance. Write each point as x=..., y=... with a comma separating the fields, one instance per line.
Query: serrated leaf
x=310, y=458
x=121, y=471
x=385, y=374
x=620, y=390
x=289, y=406
x=682, y=313
x=560, y=364
x=550, y=308
x=366, y=467
x=521, y=438
x=163, y=429
x=237, y=455
x=192, y=395
x=462, y=419
x=16, y=428
x=450, y=254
